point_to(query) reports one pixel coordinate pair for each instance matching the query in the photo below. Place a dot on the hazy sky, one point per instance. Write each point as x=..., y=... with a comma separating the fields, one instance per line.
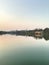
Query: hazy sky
x=24, y=14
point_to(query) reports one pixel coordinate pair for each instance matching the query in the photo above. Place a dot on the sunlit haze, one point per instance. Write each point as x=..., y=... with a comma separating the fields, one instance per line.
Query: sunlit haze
x=24, y=14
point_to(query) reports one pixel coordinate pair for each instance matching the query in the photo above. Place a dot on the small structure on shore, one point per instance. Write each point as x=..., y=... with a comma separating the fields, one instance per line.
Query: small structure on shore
x=38, y=33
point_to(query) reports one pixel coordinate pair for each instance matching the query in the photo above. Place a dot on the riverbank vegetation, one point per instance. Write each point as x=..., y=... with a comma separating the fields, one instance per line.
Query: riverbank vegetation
x=28, y=33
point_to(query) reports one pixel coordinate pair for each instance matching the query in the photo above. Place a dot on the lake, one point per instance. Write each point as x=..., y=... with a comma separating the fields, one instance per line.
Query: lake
x=23, y=50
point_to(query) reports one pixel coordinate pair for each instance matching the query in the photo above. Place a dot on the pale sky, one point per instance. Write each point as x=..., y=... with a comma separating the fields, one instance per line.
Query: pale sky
x=24, y=14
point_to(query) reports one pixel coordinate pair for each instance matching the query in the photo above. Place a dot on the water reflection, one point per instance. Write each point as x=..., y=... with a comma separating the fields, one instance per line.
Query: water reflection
x=37, y=33
x=36, y=37
x=23, y=50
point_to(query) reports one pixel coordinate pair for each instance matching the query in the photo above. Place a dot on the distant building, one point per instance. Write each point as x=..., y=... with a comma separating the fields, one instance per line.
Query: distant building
x=38, y=33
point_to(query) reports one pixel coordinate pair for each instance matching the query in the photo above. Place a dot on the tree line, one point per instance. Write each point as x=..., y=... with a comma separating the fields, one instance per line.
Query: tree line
x=28, y=33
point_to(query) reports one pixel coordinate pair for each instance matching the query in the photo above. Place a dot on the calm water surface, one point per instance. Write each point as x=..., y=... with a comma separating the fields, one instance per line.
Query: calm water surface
x=19, y=50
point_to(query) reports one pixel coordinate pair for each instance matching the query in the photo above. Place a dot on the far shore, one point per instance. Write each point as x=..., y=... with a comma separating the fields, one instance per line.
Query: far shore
x=37, y=33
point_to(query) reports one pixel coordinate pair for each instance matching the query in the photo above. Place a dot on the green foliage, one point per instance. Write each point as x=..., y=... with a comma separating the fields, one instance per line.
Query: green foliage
x=46, y=33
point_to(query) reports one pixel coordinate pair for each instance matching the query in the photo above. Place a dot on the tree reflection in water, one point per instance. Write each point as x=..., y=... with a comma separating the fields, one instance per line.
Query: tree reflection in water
x=37, y=33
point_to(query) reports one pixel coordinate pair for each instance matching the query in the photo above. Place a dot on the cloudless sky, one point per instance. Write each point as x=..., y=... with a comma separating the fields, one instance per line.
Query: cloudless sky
x=24, y=14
